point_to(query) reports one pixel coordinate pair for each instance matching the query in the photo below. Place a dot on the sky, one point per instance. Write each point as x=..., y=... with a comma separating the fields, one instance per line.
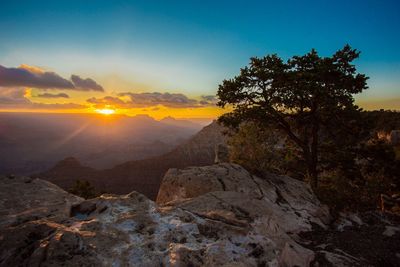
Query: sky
x=167, y=58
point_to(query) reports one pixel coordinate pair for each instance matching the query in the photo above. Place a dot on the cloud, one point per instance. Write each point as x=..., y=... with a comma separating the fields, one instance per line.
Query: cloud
x=144, y=100
x=11, y=77
x=15, y=98
x=28, y=76
x=108, y=101
x=208, y=100
x=49, y=95
x=86, y=84
x=55, y=106
x=171, y=100
x=31, y=68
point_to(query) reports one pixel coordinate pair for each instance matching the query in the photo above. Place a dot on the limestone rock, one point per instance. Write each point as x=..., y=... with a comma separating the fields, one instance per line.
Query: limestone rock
x=289, y=201
x=218, y=215
x=24, y=199
x=196, y=181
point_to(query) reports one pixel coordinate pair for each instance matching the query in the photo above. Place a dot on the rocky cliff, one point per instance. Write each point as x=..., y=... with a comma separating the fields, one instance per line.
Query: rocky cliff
x=218, y=215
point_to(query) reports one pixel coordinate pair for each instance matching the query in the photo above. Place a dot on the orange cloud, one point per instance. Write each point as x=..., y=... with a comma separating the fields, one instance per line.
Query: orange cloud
x=32, y=69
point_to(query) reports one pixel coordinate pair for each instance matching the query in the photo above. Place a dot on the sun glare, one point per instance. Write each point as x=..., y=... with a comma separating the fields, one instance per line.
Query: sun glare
x=105, y=111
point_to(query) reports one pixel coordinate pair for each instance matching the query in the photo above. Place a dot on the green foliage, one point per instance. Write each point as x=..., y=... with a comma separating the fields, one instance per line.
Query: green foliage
x=261, y=150
x=375, y=171
x=83, y=189
x=254, y=148
x=300, y=97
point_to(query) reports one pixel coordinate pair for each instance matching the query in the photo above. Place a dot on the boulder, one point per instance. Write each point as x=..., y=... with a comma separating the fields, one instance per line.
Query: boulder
x=25, y=199
x=289, y=201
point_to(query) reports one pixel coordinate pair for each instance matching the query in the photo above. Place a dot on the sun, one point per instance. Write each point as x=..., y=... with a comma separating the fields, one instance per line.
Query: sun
x=105, y=111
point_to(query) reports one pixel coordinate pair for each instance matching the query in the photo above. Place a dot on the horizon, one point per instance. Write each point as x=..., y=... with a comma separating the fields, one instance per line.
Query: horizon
x=202, y=121
x=131, y=58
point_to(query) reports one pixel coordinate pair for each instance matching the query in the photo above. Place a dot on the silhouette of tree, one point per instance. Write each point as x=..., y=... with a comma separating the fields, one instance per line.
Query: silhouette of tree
x=301, y=97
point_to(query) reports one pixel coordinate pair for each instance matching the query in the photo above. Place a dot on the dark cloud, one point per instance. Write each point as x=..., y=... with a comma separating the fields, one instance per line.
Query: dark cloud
x=49, y=95
x=86, y=84
x=11, y=77
x=15, y=98
x=107, y=101
x=171, y=100
x=208, y=100
x=144, y=100
x=27, y=76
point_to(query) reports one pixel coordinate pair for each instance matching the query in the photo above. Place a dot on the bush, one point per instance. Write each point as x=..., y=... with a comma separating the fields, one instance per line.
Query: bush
x=353, y=171
x=83, y=189
x=264, y=150
x=378, y=173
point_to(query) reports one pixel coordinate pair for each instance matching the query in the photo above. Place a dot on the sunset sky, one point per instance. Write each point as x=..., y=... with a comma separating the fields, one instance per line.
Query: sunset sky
x=166, y=58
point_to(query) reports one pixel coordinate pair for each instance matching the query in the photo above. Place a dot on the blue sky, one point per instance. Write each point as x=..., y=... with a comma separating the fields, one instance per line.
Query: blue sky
x=191, y=46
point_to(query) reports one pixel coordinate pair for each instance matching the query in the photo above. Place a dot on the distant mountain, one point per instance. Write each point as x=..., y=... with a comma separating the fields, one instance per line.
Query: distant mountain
x=180, y=123
x=33, y=142
x=141, y=175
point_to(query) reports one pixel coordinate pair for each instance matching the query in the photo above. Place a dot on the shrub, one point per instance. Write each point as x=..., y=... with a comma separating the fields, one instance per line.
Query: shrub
x=83, y=189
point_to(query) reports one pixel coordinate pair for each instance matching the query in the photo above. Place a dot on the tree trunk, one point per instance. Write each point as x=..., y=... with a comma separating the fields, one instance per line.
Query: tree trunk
x=313, y=174
x=313, y=167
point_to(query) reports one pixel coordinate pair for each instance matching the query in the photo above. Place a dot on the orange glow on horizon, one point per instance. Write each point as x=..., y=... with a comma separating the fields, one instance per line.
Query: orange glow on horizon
x=157, y=113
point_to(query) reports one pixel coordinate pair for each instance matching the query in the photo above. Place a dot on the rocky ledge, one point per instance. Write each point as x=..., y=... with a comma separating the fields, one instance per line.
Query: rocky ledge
x=217, y=215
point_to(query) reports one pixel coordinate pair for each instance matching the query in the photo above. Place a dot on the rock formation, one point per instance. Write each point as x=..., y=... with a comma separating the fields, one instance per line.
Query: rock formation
x=217, y=215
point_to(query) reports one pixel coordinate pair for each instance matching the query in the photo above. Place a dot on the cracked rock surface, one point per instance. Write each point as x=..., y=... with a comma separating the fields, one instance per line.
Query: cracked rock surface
x=217, y=215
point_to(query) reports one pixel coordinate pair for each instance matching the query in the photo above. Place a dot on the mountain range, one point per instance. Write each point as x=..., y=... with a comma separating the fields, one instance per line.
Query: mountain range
x=34, y=142
x=142, y=175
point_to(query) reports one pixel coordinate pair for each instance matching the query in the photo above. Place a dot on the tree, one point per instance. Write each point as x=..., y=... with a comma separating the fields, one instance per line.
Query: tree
x=300, y=97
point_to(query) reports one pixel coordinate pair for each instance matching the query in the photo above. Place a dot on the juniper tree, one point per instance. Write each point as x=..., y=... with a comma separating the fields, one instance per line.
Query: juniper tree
x=302, y=97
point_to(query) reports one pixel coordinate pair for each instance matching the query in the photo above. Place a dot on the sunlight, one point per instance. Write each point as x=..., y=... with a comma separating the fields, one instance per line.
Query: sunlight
x=105, y=111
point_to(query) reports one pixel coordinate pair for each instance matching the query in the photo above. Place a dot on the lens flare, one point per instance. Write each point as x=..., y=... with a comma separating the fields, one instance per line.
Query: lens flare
x=105, y=111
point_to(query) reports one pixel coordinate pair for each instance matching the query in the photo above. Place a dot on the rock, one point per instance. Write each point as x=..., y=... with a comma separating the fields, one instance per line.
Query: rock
x=295, y=255
x=347, y=220
x=391, y=230
x=195, y=181
x=217, y=215
x=369, y=239
x=290, y=201
x=228, y=195
x=24, y=199
x=336, y=259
